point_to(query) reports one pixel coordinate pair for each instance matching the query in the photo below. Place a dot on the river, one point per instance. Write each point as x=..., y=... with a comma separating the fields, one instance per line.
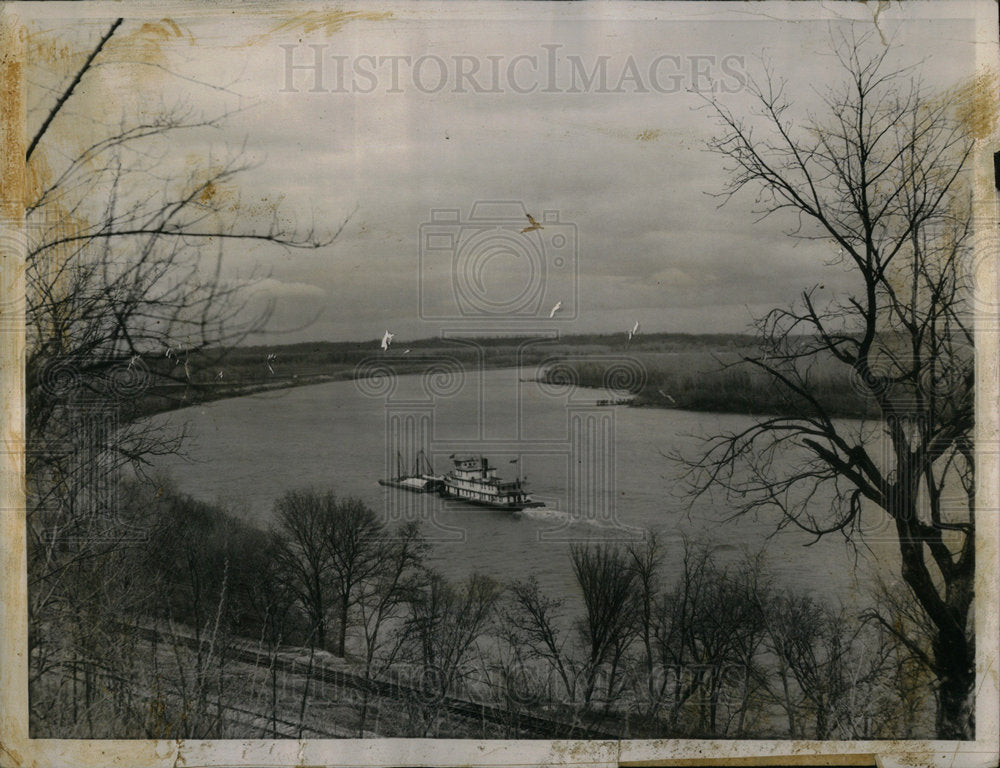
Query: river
x=602, y=471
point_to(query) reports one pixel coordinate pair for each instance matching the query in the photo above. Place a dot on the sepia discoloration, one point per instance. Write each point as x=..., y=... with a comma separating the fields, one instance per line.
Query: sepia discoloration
x=12, y=109
x=150, y=42
x=133, y=62
x=327, y=22
x=13, y=632
x=804, y=758
x=976, y=104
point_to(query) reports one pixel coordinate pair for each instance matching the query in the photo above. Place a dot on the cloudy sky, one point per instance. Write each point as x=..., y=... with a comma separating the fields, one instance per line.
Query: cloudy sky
x=581, y=115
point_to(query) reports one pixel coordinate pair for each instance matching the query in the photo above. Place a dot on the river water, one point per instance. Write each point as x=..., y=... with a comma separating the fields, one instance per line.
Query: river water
x=602, y=471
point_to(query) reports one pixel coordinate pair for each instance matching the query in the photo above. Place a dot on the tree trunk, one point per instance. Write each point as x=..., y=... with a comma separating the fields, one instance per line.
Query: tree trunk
x=821, y=727
x=744, y=701
x=956, y=672
x=319, y=634
x=952, y=648
x=305, y=690
x=713, y=700
x=274, y=695
x=364, y=698
x=342, y=631
x=363, y=717
x=591, y=684
x=789, y=706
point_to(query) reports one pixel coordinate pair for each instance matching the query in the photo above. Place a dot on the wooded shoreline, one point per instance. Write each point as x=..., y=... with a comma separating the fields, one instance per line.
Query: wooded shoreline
x=689, y=372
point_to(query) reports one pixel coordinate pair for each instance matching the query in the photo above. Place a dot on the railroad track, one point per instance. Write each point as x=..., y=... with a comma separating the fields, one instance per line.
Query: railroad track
x=285, y=729
x=535, y=725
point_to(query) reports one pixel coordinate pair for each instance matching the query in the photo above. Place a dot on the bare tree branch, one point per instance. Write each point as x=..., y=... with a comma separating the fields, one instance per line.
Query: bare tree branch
x=69, y=90
x=883, y=176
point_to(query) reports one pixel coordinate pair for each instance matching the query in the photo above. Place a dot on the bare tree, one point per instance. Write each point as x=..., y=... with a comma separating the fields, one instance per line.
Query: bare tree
x=128, y=239
x=445, y=625
x=531, y=623
x=803, y=637
x=646, y=561
x=912, y=640
x=304, y=561
x=381, y=599
x=721, y=636
x=707, y=639
x=748, y=591
x=127, y=252
x=271, y=602
x=676, y=618
x=607, y=629
x=880, y=175
x=354, y=538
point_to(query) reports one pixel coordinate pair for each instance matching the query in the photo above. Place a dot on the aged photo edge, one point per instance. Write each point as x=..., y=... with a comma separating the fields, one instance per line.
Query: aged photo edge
x=16, y=749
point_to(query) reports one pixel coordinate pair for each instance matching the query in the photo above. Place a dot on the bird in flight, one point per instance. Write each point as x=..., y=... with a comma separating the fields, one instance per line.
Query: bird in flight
x=270, y=359
x=132, y=361
x=406, y=351
x=633, y=331
x=555, y=309
x=387, y=339
x=534, y=225
x=219, y=375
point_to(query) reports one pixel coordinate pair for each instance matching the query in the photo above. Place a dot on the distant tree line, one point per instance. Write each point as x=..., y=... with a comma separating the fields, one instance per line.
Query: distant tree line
x=709, y=382
x=186, y=377
x=721, y=651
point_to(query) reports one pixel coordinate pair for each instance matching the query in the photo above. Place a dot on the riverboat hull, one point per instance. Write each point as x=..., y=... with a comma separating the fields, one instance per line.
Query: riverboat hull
x=515, y=506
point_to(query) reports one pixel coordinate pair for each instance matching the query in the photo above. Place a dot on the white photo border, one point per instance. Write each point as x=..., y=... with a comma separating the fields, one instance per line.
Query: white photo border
x=17, y=749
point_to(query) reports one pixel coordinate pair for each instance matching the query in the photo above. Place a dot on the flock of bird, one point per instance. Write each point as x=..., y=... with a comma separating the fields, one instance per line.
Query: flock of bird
x=171, y=355
x=632, y=332
x=387, y=337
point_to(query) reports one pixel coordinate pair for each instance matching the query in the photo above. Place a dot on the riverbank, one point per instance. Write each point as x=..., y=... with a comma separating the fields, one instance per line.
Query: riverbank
x=682, y=371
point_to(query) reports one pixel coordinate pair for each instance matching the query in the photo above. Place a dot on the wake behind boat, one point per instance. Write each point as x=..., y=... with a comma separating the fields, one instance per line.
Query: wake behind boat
x=474, y=481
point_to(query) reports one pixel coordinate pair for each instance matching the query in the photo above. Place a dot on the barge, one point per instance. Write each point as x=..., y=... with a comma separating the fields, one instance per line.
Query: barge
x=421, y=480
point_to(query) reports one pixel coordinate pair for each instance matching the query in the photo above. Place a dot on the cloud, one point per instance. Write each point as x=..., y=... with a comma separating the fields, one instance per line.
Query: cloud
x=627, y=170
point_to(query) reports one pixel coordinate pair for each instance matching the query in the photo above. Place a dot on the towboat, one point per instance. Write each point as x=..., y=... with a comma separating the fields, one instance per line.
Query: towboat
x=473, y=480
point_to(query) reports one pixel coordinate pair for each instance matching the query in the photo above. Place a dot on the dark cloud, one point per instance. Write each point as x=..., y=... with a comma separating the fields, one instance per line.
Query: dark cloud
x=628, y=170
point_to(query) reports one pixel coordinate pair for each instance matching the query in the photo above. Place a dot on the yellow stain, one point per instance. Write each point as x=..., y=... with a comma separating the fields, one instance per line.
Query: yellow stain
x=327, y=22
x=976, y=104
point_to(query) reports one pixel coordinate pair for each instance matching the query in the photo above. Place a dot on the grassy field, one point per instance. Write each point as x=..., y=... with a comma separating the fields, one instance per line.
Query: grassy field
x=658, y=370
